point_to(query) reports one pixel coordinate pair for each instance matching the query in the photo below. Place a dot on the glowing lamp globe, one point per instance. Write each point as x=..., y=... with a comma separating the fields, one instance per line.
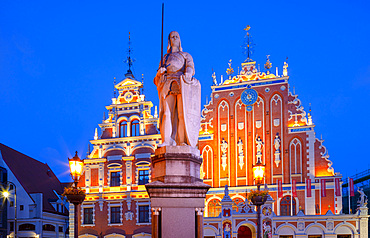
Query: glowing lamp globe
x=6, y=194
x=76, y=166
x=259, y=172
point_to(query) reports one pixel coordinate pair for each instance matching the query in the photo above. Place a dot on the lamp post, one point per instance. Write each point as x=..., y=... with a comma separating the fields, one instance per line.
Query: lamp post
x=6, y=194
x=259, y=173
x=76, y=166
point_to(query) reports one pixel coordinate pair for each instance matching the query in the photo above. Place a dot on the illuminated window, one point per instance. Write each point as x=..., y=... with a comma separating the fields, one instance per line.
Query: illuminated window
x=48, y=227
x=115, y=179
x=285, y=206
x=143, y=177
x=115, y=214
x=123, y=129
x=135, y=128
x=88, y=215
x=214, y=208
x=237, y=201
x=144, y=214
x=27, y=227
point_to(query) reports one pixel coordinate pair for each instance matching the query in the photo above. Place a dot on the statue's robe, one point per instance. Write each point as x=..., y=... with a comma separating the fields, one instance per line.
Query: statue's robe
x=190, y=93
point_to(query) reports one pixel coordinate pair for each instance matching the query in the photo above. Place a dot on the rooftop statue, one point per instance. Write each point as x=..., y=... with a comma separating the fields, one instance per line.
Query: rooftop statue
x=179, y=96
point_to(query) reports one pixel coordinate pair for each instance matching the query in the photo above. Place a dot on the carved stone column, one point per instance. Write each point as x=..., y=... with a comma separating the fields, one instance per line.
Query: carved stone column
x=178, y=190
x=156, y=216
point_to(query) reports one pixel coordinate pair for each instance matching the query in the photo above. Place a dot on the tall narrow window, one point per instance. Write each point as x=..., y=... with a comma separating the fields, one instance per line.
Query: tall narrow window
x=143, y=177
x=115, y=179
x=286, y=206
x=123, y=129
x=214, y=208
x=144, y=214
x=135, y=128
x=115, y=213
x=88, y=215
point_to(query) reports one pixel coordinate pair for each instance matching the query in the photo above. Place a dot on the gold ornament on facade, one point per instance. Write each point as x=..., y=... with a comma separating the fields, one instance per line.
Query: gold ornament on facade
x=230, y=70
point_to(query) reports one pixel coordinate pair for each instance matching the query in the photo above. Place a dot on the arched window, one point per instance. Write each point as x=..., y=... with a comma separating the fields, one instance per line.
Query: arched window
x=244, y=232
x=286, y=206
x=237, y=201
x=214, y=208
x=135, y=128
x=27, y=227
x=48, y=227
x=123, y=129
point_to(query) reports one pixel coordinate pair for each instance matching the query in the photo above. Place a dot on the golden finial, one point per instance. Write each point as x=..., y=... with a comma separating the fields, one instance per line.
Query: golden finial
x=268, y=64
x=230, y=70
x=247, y=28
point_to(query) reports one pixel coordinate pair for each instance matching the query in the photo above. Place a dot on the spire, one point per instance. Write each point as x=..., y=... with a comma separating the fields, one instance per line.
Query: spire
x=129, y=60
x=142, y=82
x=155, y=112
x=114, y=88
x=88, y=150
x=96, y=134
x=309, y=122
x=248, y=44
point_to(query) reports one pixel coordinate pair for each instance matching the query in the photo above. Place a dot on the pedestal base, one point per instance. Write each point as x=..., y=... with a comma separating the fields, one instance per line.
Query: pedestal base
x=177, y=193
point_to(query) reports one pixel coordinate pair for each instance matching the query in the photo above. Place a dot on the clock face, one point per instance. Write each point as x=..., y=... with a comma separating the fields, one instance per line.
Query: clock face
x=128, y=96
x=249, y=96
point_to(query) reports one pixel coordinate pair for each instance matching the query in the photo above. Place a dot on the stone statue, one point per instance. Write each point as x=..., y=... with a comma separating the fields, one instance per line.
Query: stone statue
x=224, y=146
x=179, y=96
x=277, y=142
x=240, y=147
x=259, y=144
x=363, y=198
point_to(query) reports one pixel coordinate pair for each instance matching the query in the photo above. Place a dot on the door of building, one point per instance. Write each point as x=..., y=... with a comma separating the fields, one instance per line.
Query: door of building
x=244, y=232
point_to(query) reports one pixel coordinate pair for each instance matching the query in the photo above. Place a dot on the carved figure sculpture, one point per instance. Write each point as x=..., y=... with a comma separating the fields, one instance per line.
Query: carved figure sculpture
x=179, y=96
x=224, y=146
x=363, y=198
x=259, y=144
x=241, y=153
x=277, y=142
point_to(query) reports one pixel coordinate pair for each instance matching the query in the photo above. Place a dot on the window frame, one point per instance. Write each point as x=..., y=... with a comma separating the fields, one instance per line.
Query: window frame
x=138, y=213
x=115, y=181
x=87, y=206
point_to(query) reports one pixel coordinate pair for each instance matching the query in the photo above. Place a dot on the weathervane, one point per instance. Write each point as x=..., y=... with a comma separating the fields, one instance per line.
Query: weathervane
x=129, y=60
x=247, y=45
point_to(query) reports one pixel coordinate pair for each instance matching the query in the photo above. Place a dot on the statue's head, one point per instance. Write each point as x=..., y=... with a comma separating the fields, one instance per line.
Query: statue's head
x=174, y=40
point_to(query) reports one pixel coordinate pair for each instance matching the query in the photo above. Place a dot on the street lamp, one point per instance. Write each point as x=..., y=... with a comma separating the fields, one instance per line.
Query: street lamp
x=6, y=194
x=259, y=173
x=75, y=195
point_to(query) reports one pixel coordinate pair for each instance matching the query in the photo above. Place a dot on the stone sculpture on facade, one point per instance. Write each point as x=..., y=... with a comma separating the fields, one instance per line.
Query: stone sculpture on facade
x=362, y=201
x=259, y=144
x=241, y=153
x=277, y=142
x=179, y=96
x=224, y=146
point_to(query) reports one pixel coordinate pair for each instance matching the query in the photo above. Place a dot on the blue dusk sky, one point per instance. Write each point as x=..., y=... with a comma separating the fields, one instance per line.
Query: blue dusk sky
x=58, y=60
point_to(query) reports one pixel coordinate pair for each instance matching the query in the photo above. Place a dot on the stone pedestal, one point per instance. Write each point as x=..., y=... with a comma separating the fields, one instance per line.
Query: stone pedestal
x=177, y=193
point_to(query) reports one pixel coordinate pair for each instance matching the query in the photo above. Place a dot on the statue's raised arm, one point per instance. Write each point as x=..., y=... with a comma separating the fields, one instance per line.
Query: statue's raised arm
x=179, y=96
